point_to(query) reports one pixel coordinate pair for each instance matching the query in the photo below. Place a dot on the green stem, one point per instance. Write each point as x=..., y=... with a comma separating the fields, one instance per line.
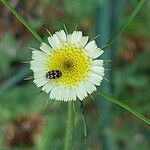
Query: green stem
x=126, y=23
x=70, y=124
x=22, y=20
x=125, y=106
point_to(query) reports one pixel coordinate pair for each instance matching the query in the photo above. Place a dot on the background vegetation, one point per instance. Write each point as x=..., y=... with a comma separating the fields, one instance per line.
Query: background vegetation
x=28, y=120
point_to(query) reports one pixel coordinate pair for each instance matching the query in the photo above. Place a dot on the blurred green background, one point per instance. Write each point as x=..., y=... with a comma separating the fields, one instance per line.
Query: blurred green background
x=29, y=121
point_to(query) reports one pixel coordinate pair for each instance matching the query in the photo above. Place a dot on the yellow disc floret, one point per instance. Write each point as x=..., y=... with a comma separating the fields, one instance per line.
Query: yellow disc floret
x=71, y=61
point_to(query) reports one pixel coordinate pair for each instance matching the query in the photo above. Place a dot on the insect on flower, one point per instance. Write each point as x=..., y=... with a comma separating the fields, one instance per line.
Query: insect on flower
x=53, y=74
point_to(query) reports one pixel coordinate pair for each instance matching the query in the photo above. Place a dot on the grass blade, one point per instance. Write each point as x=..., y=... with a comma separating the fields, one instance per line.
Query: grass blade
x=126, y=23
x=22, y=20
x=125, y=106
x=84, y=121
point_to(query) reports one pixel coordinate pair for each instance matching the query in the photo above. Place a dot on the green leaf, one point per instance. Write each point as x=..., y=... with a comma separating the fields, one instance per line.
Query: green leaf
x=126, y=23
x=125, y=106
x=22, y=20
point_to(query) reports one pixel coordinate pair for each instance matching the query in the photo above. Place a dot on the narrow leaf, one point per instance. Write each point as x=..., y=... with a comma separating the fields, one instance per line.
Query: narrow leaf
x=125, y=24
x=125, y=106
x=22, y=20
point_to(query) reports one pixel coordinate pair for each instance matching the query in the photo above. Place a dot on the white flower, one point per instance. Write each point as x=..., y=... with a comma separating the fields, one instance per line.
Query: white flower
x=68, y=67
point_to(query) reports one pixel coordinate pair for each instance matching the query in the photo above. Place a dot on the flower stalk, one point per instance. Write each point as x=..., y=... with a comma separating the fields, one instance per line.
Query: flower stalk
x=70, y=125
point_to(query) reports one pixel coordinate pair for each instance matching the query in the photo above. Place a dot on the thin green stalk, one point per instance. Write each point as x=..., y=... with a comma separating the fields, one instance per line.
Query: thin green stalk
x=70, y=124
x=22, y=20
x=126, y=23
x=125, y=106
x=84, y=121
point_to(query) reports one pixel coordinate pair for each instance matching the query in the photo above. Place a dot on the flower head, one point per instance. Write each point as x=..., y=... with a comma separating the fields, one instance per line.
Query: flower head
x=68, y=67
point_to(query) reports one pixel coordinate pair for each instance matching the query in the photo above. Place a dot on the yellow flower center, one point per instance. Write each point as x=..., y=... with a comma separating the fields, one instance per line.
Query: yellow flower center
x=71, y=61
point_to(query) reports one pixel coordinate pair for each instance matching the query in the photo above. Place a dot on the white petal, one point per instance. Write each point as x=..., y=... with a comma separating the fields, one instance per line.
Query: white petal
x=69, y=38
x=47, y=87
x=83, y=41
x=54, y=41
x=60, y=93
x=39, y=61
x=72, y=95
x=37, y=68
x=98, y=70
x=38, y=74
x=39, y=64
x=89, y=87
x=65, y=94
x=96, y=53
x=98, y=62
x=36, y=62
x=95, y=79
x=38, y=55
x=53, y=93
x=90, y=47
x=40, y=81
x=45, y=48
x=81, y=93
x=75, y=37
x=62, y=36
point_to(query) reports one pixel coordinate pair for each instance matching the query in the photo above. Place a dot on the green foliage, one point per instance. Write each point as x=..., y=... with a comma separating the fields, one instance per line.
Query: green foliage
x=75, y=8
x=8, y=50
x=131, y=83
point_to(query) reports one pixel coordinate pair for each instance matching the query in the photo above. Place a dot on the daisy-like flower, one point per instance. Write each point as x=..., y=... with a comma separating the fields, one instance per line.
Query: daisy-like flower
x=67, y=68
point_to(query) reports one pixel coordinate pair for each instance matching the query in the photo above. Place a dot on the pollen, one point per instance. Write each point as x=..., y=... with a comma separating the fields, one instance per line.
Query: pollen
x=72, y=61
